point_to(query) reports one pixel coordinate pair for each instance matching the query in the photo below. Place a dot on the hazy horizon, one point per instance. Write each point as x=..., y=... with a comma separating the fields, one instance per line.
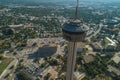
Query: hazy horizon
x=57, y=0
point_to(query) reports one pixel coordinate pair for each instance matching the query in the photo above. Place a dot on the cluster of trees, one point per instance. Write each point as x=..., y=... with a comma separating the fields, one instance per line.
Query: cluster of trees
x=115, y=65
x=38, y=12
x=21, y=75
x=13, y=19
x=95, y=68
x=47, y=76
x=118, y=46
x=98, y=66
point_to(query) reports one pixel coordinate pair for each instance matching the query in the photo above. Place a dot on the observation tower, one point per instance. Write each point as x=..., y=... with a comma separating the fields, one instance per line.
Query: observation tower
x=73, y=31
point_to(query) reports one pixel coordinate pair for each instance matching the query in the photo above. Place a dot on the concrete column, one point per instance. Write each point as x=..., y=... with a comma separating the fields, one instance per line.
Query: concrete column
x=71, y=60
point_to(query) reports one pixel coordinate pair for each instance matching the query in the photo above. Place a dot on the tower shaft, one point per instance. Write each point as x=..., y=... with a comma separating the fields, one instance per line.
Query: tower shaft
x=71, y=59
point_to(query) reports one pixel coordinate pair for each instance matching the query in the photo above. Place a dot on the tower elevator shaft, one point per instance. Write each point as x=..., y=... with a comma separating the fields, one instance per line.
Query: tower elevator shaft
x=71, y=60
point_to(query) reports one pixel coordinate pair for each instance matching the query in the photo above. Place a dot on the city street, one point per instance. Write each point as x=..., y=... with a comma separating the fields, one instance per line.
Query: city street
x=8, y=70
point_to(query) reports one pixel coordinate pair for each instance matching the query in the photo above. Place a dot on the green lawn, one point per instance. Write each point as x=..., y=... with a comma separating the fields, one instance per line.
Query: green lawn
x=5, y=62
x=107, y=42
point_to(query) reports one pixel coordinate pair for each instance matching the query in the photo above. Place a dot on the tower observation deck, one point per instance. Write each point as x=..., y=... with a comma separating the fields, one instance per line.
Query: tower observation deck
x=73, y=31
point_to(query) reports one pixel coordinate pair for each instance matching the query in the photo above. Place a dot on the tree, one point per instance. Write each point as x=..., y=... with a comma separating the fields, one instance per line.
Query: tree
x=1, y=57
x=36, y=59
x=7, y=31
x=86, y=78
x=62, y=77
x=53, y=62
x=43, y=64
x=47, y=76
x=117, y=78
x=14, y=53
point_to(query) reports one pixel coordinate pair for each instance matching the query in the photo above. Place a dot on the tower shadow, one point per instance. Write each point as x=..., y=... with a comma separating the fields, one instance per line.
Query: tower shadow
x=44, y=51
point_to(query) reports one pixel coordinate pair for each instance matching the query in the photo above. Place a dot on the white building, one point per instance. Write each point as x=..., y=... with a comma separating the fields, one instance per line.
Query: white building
x=79, y=75
x=112, y=43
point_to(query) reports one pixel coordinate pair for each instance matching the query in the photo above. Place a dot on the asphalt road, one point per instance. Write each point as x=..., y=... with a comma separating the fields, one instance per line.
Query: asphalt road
x=8, y=70
x=96, y=32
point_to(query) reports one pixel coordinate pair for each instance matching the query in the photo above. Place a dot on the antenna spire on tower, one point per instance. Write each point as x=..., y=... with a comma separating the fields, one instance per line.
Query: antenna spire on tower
x=76, y=12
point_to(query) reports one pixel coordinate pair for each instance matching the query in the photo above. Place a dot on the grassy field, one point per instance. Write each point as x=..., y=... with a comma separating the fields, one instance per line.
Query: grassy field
x=5, y=62
x=107, y=42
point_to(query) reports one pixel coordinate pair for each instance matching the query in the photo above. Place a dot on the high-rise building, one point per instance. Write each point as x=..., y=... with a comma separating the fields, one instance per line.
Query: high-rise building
x=73, y=31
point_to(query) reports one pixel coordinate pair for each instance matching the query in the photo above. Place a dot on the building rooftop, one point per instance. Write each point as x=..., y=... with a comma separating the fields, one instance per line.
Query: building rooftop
x=88, y=58
x=114, y=70
x=96, y=45
x=74, y=27
x=116, y=58
x=79, y=75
